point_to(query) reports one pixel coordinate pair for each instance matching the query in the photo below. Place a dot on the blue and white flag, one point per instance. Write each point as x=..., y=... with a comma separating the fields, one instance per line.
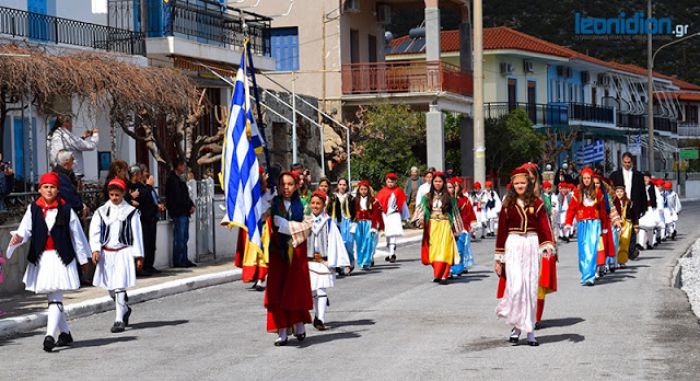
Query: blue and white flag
x=240, y=177
x=591, y=153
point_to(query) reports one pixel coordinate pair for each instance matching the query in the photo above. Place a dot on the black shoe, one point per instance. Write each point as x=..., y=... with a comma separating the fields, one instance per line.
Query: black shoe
x=436, y=280
x=513, y=338
x=153, y=270
x=258, y=287
x=127, y=314
x=118, y=327
x=180, y=265
x=673, y=236
x=649, y=247
x=301, y=336
x=443, y=281
x=190, y=264
x=567, y=239
x=533, y=343
x=143, y=273
x=281, y=343
x=64, y=339
x=392, y=259
x=49, y=343
x=372, y=264
x=318, y=324
x=387, y=259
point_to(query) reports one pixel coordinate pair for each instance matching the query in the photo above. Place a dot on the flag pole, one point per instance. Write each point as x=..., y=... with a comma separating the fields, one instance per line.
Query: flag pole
x=261, y=124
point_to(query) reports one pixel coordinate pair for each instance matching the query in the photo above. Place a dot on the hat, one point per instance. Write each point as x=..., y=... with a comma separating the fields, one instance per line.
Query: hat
x=546, y=184
x=319, y=193
x=668, y=185
x=488, y=184
x=117, y=182
x=391, y=175
x=49, y=178
x=438, y=173
x=364, y=183
x=477, y=185
x=455, y=180
x=520, y=171
x=587, y=171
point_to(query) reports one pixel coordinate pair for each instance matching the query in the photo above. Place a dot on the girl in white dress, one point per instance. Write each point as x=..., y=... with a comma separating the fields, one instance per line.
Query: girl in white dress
x=57, y=245
x=116, y=239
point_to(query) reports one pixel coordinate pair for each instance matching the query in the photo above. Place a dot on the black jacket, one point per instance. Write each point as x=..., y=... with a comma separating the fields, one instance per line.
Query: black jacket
x=67, y=189
x=147, y=205
x=177, y=196
x=638, y=196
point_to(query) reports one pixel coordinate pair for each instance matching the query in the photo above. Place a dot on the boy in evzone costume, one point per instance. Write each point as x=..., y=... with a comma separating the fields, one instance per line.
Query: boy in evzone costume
x=492, y=207
x=672, y=207
x=394, y=212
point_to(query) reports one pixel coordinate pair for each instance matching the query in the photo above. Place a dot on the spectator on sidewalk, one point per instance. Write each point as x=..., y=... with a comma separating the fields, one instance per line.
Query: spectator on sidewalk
x=120, y=169
x=411, y=188
x=148, y=208
x=68, y=190
x=61, y=138
x=149, y=225
x=7, y=182
x=180, y=207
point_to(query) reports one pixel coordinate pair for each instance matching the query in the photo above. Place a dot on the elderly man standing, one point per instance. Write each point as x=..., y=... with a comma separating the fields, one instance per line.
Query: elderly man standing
x=180, y=208
x=61, y=138
x=411, y=189
x=68, y=190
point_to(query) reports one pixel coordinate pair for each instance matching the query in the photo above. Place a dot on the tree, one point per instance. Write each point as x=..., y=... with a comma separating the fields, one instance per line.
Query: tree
x=511, y=141
x=556, y=142
x=387, y=138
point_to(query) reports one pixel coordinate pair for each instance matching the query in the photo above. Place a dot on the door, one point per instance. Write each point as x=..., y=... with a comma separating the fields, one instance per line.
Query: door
x=532, y=101
x=512, y=97
x=372, y=57
x=594, y=96
x=37, y=21
x=358, y=78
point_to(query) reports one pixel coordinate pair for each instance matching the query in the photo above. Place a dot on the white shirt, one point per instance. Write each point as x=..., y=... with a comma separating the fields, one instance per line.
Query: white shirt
x=113, y=216
x=62, y=139
x=423, y=189
x=627, y=178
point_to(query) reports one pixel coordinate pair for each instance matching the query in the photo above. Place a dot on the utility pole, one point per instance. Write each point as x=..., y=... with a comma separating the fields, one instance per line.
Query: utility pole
x=650, y=92
x=478, y=114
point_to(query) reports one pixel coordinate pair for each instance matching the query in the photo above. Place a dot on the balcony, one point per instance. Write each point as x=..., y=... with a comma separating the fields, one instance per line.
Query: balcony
x=43, y=28
x=405, y=77
x=592, y=114
x=541, y=115
x=689, y=130
x=640, y=122
x=203, y=21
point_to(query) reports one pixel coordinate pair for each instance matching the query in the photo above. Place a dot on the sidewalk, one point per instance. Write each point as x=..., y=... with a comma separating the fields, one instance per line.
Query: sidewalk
x=27, y=311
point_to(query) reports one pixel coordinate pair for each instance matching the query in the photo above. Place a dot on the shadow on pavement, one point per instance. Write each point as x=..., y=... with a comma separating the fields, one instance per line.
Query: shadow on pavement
x=98, y=342
x=10, y=340
x=313, y=339
x=348, y=323
x=157, y=324
x=550, y=339
x=608, y=279
x=563, y=322
x=468, y=278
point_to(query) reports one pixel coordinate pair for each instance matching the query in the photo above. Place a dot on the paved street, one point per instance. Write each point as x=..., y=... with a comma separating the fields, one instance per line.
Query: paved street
x=394, y=323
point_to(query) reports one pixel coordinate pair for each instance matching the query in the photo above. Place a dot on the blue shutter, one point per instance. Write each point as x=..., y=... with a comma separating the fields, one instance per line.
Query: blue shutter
x=285, y=48
x=38, y=25
x=19, y=148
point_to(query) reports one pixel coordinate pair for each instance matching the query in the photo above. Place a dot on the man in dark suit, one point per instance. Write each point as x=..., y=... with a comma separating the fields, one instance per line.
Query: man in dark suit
x=633, y=181
x=180, y=208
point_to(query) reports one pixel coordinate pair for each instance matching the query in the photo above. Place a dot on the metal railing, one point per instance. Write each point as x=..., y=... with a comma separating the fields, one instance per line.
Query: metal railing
x=591, y=113
x=689, y=129
x=205, y=21
x=640, y=122
x=40, y=27
x=545, y=115
x=405, y=77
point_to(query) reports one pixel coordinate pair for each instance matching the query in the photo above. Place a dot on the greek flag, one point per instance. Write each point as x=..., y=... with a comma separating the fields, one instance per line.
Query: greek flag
x=591, y=153
x=240, y=177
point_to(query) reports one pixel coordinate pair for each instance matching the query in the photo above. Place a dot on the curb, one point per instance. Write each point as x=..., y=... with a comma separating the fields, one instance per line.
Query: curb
x=676, y=273
x=24, y=323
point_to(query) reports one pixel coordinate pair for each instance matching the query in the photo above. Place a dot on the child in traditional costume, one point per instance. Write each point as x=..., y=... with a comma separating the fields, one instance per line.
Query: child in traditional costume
x=588, y=206
x=649, y=217
x=116, y=239
x=394, y=212
x=341, y=208
x=629, y=224
x=564, y=199
x=672, y=207
x=468, y=221
x=368, y=216
x=325, y=252
x=478, y=203
x=492, y=207
x=608, y=244
x=524, y=235
x=660, y=231
x=57, y=245
x=287, y=295
x=440, y=219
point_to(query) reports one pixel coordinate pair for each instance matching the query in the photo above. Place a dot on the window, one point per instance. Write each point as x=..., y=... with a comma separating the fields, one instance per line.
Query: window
x=691, y=114
x=285, y=48
x=354, y=46
x=512, y=97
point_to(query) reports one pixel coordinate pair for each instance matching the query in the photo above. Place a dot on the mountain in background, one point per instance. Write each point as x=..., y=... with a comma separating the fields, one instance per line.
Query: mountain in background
x=553, y=20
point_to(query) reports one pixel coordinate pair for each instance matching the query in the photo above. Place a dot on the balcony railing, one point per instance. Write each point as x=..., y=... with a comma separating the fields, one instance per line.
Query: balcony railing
x=591, y=113
x=405, y=77
x=205, y=21
x=689, y=129
x=546, y=115
x=40, y=27
x=640, y=122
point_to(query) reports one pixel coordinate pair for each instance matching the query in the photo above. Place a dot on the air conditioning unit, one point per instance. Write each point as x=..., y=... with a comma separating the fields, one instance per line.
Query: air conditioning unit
x=352, y=6
x=384, y=14
x=506, y=68
x=585, y=77
x=528, y=66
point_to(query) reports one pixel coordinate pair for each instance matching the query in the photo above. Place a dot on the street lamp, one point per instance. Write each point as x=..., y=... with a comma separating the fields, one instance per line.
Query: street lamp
x=650, y=89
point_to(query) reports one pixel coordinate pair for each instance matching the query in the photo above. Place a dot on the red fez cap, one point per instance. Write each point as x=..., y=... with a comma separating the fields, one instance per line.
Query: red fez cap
x=668, y=185
x=520, y=171
x=391, y=175
x=546, y=184
x=456, y=180
x=117, y=182
x=49, y=178
x=588, y=171
x=489, y=184
x=363, y=183
x=319, y=193
x=438, y=173
x=477, y=185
